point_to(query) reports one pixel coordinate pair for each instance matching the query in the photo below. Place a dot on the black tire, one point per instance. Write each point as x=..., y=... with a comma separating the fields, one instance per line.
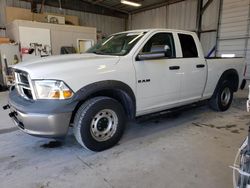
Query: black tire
x=95, y=117
x=222, y=97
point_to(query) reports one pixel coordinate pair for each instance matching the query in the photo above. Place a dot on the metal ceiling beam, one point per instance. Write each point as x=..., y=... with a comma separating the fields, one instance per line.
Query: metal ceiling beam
x=204, y=8
x=81, y=5
x=99, y=2
x=157, y=5
x=199, y=18
x=200, y=11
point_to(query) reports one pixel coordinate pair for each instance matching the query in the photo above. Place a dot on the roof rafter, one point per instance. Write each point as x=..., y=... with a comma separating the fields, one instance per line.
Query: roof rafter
x=86, y=6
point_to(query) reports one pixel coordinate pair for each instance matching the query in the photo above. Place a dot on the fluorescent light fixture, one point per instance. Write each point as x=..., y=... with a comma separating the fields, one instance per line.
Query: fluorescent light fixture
x=227, y=55
x=131, y=3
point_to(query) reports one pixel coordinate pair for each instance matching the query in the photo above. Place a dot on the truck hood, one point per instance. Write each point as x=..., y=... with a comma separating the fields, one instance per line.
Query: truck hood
x=54, y=67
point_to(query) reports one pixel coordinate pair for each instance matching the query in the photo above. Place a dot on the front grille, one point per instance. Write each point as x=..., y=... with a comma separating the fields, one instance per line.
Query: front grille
x=23, y=78
x=23, y=84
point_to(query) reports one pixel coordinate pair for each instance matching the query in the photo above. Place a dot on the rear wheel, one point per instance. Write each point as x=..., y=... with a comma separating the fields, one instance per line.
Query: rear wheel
x=99, y=123
x=222, y=98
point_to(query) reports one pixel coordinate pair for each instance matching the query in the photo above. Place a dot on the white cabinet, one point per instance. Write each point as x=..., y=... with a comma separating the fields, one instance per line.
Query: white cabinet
x=53, y=36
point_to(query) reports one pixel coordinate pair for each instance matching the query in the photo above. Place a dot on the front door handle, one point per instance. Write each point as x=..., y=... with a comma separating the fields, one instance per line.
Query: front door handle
x=200, y=66
x=174, y=67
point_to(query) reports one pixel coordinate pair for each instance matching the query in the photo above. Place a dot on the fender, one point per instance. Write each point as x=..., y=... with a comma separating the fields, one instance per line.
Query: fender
x=230, y=75
x=111, y=88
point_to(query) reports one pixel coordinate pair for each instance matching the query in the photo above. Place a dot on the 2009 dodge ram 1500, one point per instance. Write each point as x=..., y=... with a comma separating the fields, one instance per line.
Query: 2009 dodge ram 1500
x=129, y=74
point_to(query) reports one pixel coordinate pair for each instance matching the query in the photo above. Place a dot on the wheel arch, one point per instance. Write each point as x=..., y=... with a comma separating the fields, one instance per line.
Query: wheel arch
x=232, y=76
x=114, y=89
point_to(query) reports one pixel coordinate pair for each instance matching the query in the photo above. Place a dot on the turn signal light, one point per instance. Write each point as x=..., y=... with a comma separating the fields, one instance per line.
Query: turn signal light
x=61, y=94
x=67, y=94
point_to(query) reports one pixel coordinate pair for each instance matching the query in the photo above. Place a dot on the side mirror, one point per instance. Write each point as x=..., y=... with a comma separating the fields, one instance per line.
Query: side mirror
x=147, y=56
x=156, y=52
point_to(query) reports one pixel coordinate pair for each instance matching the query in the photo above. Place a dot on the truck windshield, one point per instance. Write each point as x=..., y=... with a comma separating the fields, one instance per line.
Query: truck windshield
x=119, y=44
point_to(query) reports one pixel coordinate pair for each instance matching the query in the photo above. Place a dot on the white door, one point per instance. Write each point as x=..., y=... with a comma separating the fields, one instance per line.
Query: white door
x=158, y=77
x=193, y=68
x=84, y=45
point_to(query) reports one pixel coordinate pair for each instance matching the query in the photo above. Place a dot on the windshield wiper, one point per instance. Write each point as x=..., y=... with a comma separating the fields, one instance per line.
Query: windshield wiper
x=102, y=53
x=98, y=52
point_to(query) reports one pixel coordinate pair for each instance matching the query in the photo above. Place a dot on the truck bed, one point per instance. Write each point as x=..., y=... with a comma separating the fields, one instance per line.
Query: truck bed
x=218, y=65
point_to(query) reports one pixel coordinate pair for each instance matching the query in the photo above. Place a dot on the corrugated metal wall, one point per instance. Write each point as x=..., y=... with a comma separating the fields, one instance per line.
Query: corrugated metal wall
x=210, y=16
x=105, y=24
x=234, y=30
x=155, y=18
x=182, y=15
x=2, y=17
x=2, y=10
x=210, y=23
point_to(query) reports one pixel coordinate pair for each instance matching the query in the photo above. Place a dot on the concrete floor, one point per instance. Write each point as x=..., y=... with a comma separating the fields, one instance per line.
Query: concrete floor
x=192, y=150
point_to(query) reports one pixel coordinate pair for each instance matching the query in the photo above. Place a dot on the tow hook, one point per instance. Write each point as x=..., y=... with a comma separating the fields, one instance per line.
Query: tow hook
x=5, y=107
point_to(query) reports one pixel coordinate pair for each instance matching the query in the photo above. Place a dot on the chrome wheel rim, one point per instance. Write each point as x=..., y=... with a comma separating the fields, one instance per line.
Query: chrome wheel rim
x=225, y=96
x=104, y=125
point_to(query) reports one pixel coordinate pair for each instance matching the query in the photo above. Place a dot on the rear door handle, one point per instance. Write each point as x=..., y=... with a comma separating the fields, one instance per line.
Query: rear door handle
x=200, y=66
x=174, y=67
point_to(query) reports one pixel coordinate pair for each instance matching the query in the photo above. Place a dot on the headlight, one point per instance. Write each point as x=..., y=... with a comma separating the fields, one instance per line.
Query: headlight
x=52, y=89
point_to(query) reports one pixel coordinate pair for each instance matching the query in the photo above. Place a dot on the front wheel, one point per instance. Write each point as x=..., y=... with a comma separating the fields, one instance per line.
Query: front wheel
x=222, y=98
x=99, y=123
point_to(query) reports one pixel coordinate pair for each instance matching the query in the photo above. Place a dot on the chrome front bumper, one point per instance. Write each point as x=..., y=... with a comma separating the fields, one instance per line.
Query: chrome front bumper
x=42, y=125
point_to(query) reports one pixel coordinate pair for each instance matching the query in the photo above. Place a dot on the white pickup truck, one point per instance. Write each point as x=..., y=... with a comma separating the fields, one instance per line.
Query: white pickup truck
x=127, y=75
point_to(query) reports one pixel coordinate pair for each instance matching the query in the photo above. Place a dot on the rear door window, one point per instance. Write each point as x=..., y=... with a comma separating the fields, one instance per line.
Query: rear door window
x=188, y=46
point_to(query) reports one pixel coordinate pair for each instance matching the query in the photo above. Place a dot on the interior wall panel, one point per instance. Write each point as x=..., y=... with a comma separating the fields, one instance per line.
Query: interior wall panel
x=208, y=41
x=182, y=15
x=17, y=3
x=233, y=28
x=106, y=24
x=155, y=18
x=2, y=12
x=210, y=16
x=233, y=37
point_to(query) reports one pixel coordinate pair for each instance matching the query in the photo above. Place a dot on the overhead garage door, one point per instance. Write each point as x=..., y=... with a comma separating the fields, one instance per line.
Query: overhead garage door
x=234, y=30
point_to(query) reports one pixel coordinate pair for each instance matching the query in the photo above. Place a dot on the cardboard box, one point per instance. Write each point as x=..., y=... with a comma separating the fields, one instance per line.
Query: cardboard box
x=14, y=13
x=4, y=40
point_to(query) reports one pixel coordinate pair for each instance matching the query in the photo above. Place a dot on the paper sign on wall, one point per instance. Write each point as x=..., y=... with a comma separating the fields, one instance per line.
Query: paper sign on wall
x=35, y=42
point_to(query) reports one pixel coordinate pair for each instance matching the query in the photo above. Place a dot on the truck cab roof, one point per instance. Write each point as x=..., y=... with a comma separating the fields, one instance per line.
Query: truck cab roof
x=158, y=29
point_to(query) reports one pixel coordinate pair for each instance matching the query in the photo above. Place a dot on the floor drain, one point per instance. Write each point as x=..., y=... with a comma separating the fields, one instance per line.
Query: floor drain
x=52, y=144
